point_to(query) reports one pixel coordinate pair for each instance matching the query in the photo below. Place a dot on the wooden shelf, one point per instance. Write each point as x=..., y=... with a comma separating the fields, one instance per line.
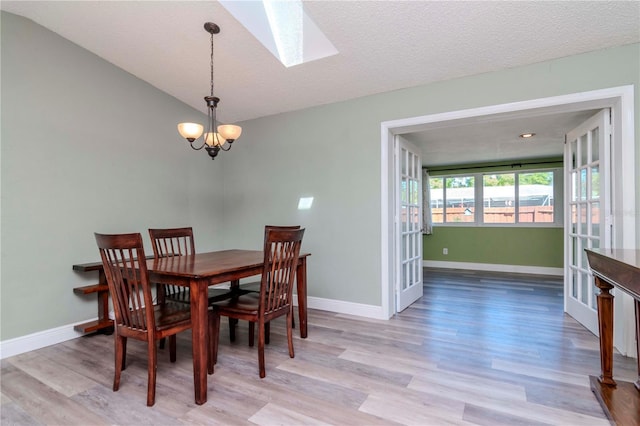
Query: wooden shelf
x=97, y=325
x=103, y=323
x=88, y=289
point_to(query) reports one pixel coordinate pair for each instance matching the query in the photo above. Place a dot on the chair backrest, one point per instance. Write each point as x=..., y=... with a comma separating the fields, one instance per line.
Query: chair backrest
x=281, y=252
x=128, y=280
x=268, y=228
x=172, y=242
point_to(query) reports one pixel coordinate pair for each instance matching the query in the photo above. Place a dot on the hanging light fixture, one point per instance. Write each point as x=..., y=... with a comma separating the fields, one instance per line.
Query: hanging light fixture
x=217, y=135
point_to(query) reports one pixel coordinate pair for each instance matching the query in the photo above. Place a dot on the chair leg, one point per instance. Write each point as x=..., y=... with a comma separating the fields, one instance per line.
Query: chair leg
x=252, y=332
x=214, y=332
x=161, y=295
x=124, y=353
x=261, y=351
x=119, y=358
x=232, y=329
x=290, y=333
x=152, y=365
x=172, y=348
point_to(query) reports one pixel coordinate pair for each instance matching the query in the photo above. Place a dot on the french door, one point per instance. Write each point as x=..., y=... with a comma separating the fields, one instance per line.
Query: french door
x=587, y=212
x=408, y=224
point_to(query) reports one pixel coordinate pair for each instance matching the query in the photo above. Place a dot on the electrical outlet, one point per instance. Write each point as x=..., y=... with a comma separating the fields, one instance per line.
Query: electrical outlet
x=445, y=251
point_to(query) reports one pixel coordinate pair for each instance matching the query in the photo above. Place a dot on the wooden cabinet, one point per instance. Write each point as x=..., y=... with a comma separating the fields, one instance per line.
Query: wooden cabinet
x=615, y=268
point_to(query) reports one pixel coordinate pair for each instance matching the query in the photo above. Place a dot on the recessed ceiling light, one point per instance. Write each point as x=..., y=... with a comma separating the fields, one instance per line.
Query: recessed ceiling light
x=527, y=135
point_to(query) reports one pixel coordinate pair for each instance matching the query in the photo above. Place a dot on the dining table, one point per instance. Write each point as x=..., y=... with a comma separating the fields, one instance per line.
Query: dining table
x=201, y=270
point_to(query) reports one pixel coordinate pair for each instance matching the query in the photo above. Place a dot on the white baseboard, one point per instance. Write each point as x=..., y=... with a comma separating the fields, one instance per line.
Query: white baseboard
x=341, y=307
x=61, y=334
x=38, y=340
x=538, y=270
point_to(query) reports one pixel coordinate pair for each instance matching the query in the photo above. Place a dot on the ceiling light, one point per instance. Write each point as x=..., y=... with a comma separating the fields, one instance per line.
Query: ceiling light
x=218, y=135
x=527, y=135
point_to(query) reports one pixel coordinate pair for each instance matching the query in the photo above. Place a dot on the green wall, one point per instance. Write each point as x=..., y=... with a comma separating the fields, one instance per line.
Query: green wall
x=502, y=245
x=87, y=147
x=497, y=245
x=333, y=153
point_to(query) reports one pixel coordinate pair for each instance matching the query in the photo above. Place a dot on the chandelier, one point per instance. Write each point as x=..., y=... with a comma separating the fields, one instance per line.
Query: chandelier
x=218, y=136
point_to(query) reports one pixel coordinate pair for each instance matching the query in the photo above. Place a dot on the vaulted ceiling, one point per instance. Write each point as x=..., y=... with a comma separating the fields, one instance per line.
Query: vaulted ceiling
x=383, y=46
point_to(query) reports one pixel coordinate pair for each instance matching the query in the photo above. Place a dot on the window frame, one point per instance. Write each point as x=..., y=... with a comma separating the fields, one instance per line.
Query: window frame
x=445, y=198
x=478, y=177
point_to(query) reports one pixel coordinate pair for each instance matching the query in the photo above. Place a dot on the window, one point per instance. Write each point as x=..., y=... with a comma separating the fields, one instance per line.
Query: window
x=508, y=198
x=452, y=199
x=535, y=197
x=498, y=196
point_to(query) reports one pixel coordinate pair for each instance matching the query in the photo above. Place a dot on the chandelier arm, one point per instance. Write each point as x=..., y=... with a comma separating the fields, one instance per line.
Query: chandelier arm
x=197, y=149
x=222, y=148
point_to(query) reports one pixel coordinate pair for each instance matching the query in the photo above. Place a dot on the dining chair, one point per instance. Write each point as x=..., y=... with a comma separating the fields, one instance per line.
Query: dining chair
x=178, y=242
x=168, y=242
x=136, y=316
x=255, y=287
x=281, y=252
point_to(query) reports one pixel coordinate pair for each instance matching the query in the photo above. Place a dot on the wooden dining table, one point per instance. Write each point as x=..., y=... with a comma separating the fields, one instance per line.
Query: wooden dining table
x=199, y=271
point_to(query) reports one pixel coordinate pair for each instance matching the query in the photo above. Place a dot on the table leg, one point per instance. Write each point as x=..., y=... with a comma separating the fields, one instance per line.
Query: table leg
x=605, y=325
x=199, y=320
x=301, y=282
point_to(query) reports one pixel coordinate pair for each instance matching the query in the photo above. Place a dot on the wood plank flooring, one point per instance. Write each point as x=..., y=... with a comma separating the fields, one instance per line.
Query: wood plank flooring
x=477, y=349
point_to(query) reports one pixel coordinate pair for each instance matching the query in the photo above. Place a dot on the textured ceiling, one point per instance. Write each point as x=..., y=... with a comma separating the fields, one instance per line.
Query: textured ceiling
x=383, y=45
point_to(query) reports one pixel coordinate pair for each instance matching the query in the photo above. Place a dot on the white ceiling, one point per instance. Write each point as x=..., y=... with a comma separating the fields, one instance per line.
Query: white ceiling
x=383, y=45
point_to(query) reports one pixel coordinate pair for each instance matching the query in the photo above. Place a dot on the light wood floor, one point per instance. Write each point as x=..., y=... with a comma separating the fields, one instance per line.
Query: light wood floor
x=477, y=349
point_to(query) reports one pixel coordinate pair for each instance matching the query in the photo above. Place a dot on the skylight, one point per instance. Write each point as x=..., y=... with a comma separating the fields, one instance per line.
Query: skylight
x=284, y=28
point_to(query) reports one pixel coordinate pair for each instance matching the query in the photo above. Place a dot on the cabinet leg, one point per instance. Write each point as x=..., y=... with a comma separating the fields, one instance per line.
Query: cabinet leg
x=605, y=325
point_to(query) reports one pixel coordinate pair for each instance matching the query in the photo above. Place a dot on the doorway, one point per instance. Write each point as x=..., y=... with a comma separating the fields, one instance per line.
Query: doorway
x=619, y=99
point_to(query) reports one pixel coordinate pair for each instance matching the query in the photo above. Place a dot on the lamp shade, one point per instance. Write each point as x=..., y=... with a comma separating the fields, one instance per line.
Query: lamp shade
x=229, y=132
x=213, y=139
x=190, y=131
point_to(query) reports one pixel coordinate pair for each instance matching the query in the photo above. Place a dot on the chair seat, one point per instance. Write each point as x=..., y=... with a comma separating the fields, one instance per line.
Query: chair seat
x=171, y=313
x=245, y=304
x=167, y=315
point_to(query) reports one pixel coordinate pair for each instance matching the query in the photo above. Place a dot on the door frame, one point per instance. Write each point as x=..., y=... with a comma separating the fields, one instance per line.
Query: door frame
x=621, y=101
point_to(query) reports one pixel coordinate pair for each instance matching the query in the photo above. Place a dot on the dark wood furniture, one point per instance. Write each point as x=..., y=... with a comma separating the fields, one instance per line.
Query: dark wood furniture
x=201, y=270
x=179, y=242
x=615, y=268
x=103, y=323
x=281, y=252
x=136, y=315
x=255, y=288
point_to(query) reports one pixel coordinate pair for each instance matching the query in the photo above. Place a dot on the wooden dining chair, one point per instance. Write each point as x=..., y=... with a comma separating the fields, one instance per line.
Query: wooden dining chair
x=168, y=242
x=178, y=242
x=136, y=316
x=255, y=287
x=281, y=252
